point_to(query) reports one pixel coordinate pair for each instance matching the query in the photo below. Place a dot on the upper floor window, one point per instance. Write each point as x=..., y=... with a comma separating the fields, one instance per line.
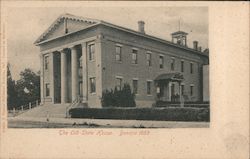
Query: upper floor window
x=46, y=62
x=161, y=61
x=91, y=50
x=92, y=85
x=182, y=66
x=134, y=56
x=191, y=68
x=172, y=64
x=118, y=53
x=119, y=83
x=148, y=56
x=135, y=86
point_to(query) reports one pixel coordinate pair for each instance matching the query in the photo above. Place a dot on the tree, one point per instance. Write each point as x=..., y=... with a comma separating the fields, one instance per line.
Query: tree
x=119, y=98
x=12, y=100
x=28, y=87
x=127, y=98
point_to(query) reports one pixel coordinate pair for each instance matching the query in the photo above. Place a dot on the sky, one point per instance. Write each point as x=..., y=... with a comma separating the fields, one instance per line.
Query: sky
x=26, y=24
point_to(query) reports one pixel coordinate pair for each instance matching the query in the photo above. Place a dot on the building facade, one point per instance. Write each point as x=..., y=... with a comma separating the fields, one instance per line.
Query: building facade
x=80, y=58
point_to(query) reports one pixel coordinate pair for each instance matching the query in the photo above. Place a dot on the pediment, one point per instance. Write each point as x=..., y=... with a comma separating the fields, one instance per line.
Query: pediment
x=65, y=24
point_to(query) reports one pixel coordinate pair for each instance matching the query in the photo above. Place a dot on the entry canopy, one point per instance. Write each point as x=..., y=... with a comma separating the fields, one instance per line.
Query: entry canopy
x=175, y=77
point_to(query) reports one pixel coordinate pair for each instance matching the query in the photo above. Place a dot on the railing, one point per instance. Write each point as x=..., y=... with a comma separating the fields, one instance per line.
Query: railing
x=76, y=101
x=23, y=108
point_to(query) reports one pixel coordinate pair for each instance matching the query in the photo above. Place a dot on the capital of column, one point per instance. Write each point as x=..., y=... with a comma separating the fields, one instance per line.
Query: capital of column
x=61, y=50
x=72, y=47
x=83, y=44
x=41, y=55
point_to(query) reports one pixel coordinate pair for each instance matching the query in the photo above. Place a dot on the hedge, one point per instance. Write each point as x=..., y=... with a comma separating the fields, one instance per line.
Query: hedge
x=196, y=104
x=163, y=114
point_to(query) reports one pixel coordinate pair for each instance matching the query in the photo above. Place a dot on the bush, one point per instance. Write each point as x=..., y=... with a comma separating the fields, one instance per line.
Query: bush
x=163, y=114
x=118, y=98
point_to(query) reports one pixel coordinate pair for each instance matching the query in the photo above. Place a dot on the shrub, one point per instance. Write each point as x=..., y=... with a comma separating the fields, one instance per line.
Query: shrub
x=118, y=98
x=164, y=114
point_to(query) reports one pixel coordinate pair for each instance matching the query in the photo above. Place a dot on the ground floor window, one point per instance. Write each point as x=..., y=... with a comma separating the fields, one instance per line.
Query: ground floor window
x=172, y=89
x=80, y=88
x=47, y=88
x=149, y=87
x=135, y=86
x=182, y=89
x=191, y=90
x=119, y=83
x=92, y=85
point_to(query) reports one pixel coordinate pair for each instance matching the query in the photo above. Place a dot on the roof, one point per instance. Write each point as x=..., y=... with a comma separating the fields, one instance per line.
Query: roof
x=96, y=22
x=65, y=16
x=175, y=76
x=179, y=32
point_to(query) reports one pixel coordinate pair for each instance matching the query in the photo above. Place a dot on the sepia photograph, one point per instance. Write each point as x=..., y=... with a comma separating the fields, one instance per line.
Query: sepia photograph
x=131, y=79
x=131, y=71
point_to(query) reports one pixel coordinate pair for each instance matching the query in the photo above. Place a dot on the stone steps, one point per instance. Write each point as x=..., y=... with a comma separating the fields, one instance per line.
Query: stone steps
x=52, y=110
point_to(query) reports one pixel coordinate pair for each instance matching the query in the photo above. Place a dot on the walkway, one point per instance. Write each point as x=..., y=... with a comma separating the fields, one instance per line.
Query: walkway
x=76, y=122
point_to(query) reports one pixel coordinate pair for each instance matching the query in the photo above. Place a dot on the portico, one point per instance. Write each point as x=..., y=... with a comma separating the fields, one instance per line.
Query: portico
x=66, y=69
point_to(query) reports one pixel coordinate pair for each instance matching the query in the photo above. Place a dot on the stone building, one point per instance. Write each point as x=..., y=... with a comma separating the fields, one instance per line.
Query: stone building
x=82, y=57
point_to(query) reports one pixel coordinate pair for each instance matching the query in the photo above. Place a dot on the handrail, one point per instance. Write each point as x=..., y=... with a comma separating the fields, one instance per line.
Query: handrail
x=77, y=100
x=23, y=108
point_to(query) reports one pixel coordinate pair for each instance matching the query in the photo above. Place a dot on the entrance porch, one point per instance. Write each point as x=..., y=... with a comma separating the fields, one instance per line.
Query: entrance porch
x=168, y=87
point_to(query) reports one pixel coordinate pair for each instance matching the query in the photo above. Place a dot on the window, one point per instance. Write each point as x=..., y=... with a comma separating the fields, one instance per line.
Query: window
x=182, y=89
x=46, y=61
x=191, y=68
x=47, y=90
x=172, y=64
x=134, y=56
x=191, y=90
x=92, y=85
x=148, y=56
x=91, y=49
x=118, y=53
x=161, y=61
x=119, y=83
x=80, y=62
x=149, y=87
x=135, y=86
x=182, y=66
x=172, y=89
x=80, y=88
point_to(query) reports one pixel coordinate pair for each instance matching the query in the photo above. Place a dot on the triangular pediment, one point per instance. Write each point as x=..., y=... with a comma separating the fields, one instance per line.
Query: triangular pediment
x=64, y=25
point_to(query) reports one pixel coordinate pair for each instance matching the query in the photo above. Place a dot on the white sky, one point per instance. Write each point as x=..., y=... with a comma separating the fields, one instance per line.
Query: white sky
x=25, y=25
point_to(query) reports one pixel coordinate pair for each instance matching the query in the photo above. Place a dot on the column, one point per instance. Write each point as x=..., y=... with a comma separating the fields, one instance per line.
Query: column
x=74, y=73
x=98, y=68
x=51, y=75
x=181, y=96
x=63, y=77
x=179, y=90
x=84, y=72
x=169, y=90
x=41, y=78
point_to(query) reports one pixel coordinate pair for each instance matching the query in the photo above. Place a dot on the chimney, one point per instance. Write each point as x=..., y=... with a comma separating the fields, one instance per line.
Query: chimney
x=195, y=45
x=199, y=48
x=141, y=27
